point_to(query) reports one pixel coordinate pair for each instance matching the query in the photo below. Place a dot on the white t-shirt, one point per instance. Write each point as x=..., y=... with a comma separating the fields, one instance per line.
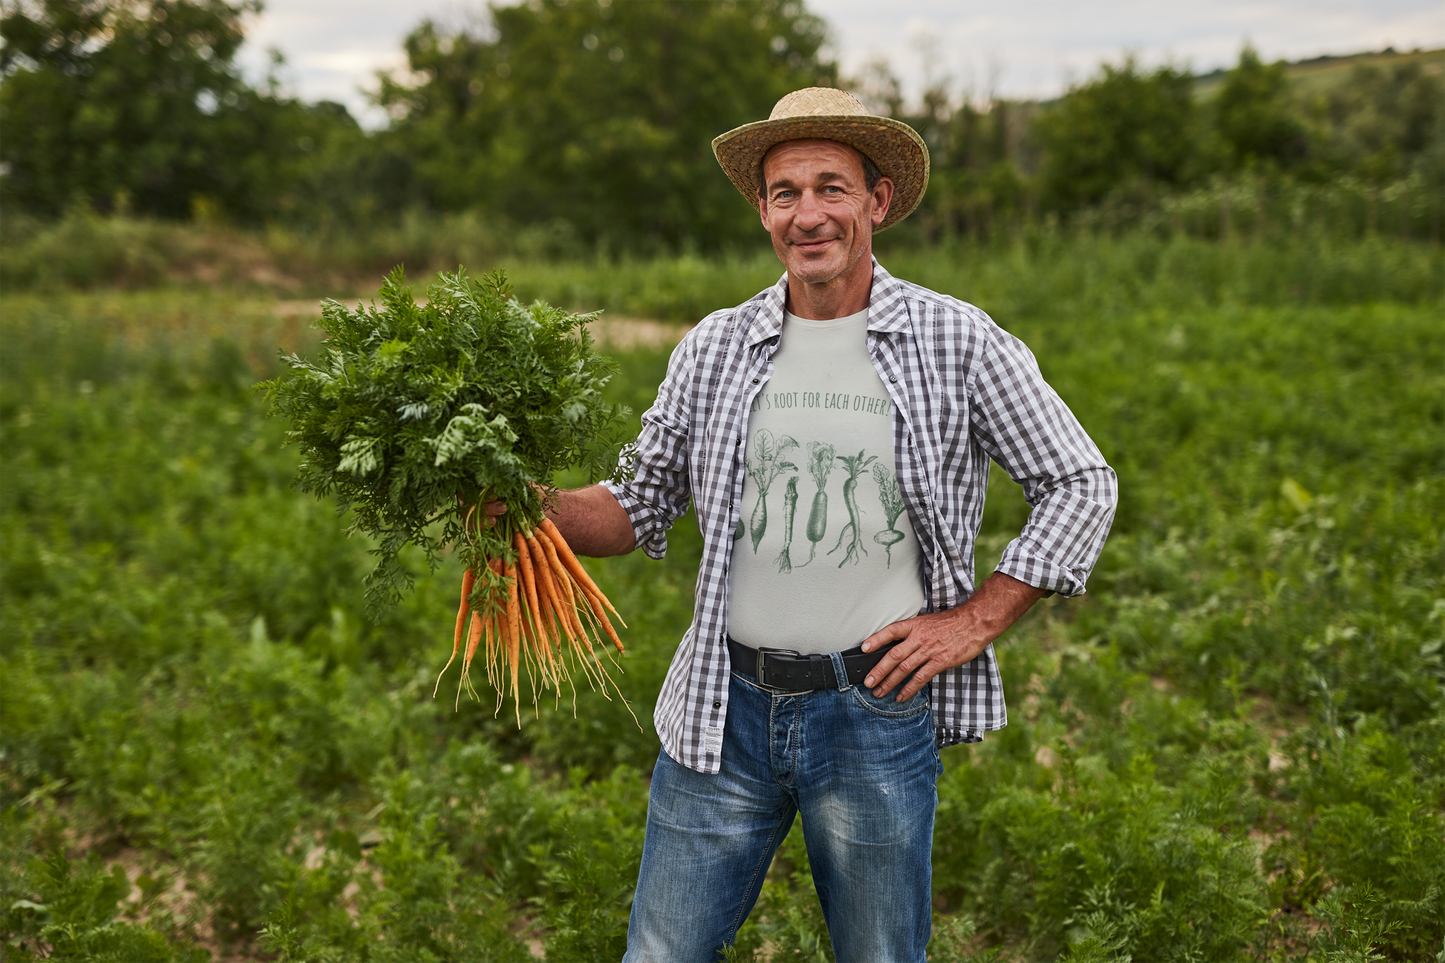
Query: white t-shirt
x=825, y=554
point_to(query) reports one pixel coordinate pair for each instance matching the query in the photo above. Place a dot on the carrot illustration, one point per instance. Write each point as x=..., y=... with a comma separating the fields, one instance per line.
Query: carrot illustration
x=790, y=509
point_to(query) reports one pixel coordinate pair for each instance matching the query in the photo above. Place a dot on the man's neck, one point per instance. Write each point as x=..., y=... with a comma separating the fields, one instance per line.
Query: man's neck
x=837, y=297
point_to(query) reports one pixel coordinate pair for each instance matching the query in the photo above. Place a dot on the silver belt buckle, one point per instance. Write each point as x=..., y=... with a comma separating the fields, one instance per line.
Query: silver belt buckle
x=763, y=653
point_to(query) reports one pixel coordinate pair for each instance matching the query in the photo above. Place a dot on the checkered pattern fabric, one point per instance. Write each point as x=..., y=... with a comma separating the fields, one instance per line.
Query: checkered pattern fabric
x=964, y=392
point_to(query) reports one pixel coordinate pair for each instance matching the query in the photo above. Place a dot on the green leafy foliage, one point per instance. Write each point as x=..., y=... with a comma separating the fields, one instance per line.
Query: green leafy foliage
x=71, y=916
x=594, y=119
x=1124, y=125
x=1254, y=116
x=126, y=105
x=1231, y=747
x=412, y=415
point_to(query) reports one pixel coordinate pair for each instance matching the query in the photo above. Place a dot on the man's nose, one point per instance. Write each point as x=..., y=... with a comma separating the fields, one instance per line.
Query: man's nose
x=810, y=211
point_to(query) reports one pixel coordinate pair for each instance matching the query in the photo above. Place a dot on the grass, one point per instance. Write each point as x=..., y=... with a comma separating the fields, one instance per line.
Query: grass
x=1229, y=749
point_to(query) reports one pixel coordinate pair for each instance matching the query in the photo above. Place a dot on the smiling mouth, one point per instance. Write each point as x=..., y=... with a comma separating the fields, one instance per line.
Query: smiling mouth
x=814, y=243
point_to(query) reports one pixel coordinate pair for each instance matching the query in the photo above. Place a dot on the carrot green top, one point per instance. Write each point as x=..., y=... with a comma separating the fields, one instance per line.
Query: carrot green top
x=412, y=411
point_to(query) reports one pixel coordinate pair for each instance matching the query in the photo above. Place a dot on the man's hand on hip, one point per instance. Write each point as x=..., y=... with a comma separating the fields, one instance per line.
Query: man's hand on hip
x=936, y=641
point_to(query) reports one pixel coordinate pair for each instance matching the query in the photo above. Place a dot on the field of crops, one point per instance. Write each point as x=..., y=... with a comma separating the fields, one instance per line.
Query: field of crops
x=1232, y=748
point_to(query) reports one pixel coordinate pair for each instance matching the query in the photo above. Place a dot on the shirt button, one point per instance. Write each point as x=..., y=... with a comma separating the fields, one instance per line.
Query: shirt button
x=893, y=379
x=755, y=381
x=717, y=705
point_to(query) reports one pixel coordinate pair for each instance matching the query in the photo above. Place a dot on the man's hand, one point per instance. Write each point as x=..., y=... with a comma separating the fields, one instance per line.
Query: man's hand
x=492, y=509
x=589, y=518
x=936, y=641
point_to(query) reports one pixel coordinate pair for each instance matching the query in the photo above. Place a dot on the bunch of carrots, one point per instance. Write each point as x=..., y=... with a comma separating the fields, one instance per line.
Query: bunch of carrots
x=545, y=616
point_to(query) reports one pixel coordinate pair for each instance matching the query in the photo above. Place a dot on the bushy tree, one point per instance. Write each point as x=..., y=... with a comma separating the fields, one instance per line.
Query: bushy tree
x=139, y=104
x=1255, y=116
x=1382, y=122
x=1122, y=126
x=597, y=116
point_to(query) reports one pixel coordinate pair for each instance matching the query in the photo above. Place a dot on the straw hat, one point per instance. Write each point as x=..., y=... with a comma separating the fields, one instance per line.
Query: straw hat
x=830, y=114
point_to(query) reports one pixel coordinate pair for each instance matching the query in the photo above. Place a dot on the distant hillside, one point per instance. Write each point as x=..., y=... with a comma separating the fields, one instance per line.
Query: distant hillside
x=1320, y=73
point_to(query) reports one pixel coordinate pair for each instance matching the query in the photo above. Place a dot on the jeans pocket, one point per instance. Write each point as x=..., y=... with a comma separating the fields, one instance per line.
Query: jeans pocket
x=889, y=707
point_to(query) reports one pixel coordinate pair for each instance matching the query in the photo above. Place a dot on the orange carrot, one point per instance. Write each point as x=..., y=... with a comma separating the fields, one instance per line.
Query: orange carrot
x=546, y=583
x=532, y=582
x=468, y=580
x=474, y=637
x=514, y=634
x=529, y=584
x=567, y=583
x=489, y=627
x=564, y=552
x=602, y=620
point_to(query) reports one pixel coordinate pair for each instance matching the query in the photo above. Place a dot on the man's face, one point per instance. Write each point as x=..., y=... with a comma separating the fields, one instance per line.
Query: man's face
x=818, y=209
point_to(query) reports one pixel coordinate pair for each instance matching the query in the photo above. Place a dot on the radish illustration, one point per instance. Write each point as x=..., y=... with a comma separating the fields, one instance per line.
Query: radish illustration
x=892, y=508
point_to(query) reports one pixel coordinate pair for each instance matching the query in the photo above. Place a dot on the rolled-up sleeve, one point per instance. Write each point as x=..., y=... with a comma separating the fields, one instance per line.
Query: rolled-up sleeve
x=1026, y=428
x=659, y=491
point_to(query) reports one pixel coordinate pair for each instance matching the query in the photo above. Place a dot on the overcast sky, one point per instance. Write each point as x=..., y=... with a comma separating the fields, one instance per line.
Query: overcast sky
x=1025, y=48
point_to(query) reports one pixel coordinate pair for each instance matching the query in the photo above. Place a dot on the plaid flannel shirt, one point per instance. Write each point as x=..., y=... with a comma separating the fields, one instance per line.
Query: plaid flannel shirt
x=964, y=391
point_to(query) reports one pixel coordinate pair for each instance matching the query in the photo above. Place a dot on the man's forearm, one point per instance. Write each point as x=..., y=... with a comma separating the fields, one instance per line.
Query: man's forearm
x=999, y=602
x=593, y=522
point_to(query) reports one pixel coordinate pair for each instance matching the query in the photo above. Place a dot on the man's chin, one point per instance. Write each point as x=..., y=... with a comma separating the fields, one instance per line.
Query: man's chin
x=815, y=269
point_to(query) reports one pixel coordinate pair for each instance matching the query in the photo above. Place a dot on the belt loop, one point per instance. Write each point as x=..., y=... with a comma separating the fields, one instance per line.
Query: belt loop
x=840, y=672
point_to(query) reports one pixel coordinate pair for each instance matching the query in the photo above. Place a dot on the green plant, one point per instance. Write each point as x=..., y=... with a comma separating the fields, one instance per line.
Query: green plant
x=413, y=414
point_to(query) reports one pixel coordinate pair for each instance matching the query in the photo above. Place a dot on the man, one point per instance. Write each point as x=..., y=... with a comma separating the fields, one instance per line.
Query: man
x=883, y=402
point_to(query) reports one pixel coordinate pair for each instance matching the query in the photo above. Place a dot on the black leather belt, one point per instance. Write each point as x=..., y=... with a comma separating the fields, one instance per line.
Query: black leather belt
x=791, y=672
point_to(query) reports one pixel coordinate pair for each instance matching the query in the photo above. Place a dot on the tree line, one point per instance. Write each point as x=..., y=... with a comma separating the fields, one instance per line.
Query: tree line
x=590, y=121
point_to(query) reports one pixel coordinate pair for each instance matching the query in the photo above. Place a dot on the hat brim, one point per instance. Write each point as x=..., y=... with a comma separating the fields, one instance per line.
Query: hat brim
x=896, y=148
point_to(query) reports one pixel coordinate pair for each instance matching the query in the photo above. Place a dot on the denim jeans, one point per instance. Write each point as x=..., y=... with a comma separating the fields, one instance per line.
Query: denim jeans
x=863, y=772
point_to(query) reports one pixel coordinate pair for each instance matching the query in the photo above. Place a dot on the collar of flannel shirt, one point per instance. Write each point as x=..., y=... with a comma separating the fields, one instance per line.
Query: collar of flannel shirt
x=887, y=311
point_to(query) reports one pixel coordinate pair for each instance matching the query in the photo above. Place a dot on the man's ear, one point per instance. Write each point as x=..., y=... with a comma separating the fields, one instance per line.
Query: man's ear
x=763, y=211
x=882, y=197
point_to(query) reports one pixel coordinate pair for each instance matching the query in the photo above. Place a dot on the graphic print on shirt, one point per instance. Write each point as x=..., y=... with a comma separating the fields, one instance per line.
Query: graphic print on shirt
x=854, y=465
x=892, y=507
x=765, y=464
x=790, y=510
x=820, y=465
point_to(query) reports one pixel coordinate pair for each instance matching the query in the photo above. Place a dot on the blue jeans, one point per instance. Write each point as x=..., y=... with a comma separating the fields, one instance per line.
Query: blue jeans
x=864, y=774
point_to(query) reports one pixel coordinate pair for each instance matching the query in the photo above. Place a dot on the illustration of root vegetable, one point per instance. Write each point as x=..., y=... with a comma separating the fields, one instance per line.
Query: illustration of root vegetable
x=765, y=470
x=820, y=464
x=892, y=508
x=854, y=465
x=790, y=509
